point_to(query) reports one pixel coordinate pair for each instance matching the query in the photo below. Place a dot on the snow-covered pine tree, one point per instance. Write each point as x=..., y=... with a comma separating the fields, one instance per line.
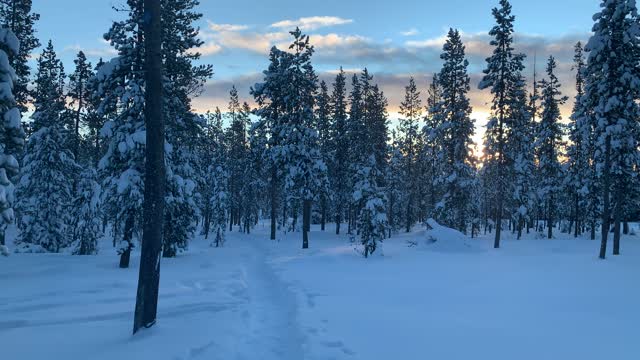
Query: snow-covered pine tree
x=395, y=181
x=255, y=175
x=611, y=96
x=121, y=84
x=269, y=95
x=184, y=81
x=576, y=180
x=11, y=133
x=18, y=17
x=499, y=77
x=339, y=169
x=372, y=219
x=457, y=129
x=236, y=143
x=411, y=111
x=46, y=183
x=86, y=214
x=323, y=126
x=79, y=95
x=520, y=149
x=219, y=204
x=356, y=138
x=432, y=150
x=549, y=144
x=305, y=171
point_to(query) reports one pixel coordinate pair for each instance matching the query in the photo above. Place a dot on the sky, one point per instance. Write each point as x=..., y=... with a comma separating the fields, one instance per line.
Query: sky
x=393, y=39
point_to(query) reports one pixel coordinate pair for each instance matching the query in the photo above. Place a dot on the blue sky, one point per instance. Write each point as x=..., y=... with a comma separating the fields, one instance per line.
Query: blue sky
x=394, y=39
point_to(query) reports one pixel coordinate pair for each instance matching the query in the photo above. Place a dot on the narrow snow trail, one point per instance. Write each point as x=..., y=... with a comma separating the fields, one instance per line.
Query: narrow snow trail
x=225, y=304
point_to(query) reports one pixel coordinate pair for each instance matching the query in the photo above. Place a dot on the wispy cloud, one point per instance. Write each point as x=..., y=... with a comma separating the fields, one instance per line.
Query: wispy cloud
x=105, y=52
x=227, y=27
x=311, y=23
x=410, y=32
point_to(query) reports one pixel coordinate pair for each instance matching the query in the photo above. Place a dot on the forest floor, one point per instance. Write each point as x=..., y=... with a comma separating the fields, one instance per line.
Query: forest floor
x=265, y=300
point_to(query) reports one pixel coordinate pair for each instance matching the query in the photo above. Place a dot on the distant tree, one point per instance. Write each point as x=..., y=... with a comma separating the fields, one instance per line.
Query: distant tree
x=549, y=143
x=411, y=111
x=46, y=183
x=80, y=95
x=456, y=128
x=339, y=169
x=86, y=214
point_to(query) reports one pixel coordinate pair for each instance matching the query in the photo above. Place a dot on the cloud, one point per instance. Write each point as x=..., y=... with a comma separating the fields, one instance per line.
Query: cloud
x=226, y=27
x=97, y=52
x=410, y=32
x=208, y=49
x=311, y=23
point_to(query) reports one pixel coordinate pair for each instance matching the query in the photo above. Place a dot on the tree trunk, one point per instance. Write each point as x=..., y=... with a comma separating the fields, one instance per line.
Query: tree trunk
x=496, y=241
x=617, y=217
x=625, y=227
x=606, y=211
x=274, y=204
x=125, y=256
x=550, y=218
x=306, y=223
x=154, y=189
x=323, y=213
x=338, y=219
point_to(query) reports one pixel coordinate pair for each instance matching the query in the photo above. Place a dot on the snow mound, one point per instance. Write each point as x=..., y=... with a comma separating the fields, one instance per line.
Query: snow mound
x=4, y=251
x=443, y=239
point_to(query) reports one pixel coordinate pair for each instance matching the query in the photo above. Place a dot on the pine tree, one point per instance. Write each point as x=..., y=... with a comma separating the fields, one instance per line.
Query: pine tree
x=432, y=151
x=11, y=133
x=500, y=77
x=236, y=140
x=611, y=94
x=270, y=96
x=339, y=171
x=219, y=204
x=411, y=110
x=372, y=219
x=46, y=183
x=305, y=172
x=18, y=17
x=520, y=150
x=548, y=144
x=323, y=126
x=80, y=96
x=577, y=151
x=86, y=214
x=456, y=129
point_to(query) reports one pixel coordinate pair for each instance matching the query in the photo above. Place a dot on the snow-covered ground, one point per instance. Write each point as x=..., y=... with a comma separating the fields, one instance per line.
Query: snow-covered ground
x=258, y=299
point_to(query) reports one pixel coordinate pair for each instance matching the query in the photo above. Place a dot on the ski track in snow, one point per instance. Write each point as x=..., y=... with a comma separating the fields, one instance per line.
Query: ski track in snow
x=270, y=300
x=223, y=303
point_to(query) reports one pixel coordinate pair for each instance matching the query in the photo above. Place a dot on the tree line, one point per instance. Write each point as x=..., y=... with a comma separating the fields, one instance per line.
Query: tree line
x=309, y=152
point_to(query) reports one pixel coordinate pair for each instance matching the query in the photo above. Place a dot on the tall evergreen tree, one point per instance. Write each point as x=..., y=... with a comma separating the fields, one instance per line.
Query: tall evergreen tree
x=499, y=76
x=549, y=143
x=11, y=133
x=611, y=98
x=456, y=128
x=17, y=16
x=80, y=96
x=46, y=183
x=577, y=150
x=341, y=148
x=411, y=111
x=372, y=219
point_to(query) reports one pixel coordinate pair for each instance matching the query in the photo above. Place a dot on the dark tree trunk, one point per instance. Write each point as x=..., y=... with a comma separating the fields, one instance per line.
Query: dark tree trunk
x=617, y=217
x=125, y=255
x=496, y=241
x=323, y=214
x=306, y=223
x=338, y=219
x=154, y=190
x=606, y=211
x=550, y=218
x=2, y=237
x=274, y=203
x=625, y=227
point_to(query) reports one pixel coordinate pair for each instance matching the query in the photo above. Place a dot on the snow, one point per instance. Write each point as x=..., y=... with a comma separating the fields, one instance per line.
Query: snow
x=261, y=299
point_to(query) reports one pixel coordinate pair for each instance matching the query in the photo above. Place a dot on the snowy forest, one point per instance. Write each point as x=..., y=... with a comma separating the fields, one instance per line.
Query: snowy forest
x=305, y=161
